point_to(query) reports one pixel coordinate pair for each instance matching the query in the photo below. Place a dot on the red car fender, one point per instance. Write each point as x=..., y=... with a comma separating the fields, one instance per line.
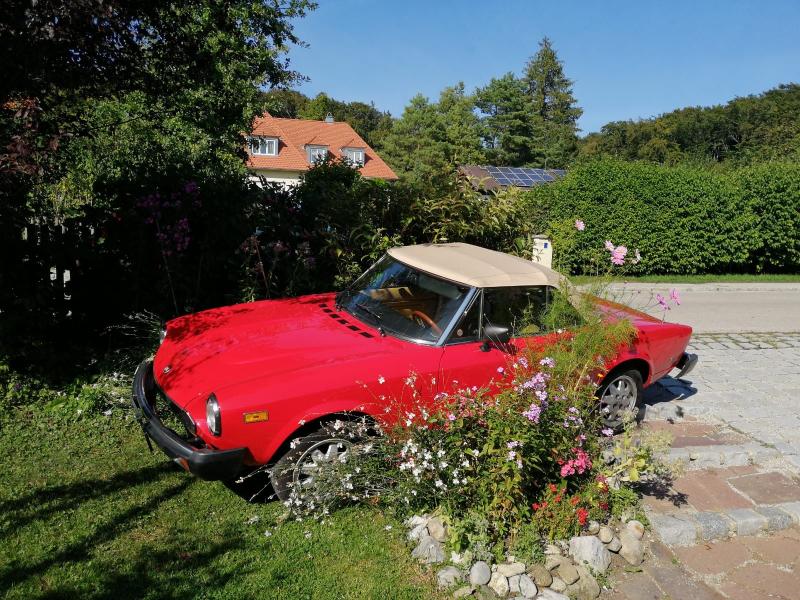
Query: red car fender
x=266, y=452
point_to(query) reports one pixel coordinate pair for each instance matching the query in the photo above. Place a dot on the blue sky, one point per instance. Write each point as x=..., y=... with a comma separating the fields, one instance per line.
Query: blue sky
x=627, y=59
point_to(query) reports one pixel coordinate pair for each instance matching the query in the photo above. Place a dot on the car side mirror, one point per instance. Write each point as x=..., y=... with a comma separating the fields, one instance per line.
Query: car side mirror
x=497, y=334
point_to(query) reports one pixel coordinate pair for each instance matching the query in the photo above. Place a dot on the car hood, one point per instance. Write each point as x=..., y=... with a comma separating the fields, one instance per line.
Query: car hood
x=207, y=351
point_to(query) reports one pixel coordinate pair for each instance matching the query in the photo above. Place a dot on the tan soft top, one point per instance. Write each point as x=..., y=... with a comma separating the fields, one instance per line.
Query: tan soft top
x=475, y=266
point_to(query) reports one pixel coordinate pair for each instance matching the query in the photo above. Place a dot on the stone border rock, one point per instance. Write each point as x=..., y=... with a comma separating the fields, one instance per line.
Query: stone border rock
x=568, y=572
x=688, y=529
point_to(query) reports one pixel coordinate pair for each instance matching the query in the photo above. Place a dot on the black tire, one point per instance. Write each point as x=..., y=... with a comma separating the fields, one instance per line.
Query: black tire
x=621, y=392
x=293, y=468
x=252, y=486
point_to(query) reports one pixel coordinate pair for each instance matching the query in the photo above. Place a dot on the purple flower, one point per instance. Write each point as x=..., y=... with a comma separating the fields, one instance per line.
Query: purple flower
x=580, y=225
x=608, y=432
x=675, y=296
x=662, y=301
x=547, y=362
x=533, y=413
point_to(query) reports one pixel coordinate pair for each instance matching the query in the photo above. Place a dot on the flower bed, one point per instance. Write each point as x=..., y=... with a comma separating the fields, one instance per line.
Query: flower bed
x=503, y=471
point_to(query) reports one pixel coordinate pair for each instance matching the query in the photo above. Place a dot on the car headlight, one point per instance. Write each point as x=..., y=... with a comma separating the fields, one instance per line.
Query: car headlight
x=212, y=415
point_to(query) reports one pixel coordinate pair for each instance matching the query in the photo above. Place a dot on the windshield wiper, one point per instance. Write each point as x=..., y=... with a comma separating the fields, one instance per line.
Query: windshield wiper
x=369, y=311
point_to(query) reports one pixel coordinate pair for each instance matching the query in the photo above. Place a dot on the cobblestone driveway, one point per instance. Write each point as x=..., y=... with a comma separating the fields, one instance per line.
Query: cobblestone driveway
x=731, y=520
x=751, y=381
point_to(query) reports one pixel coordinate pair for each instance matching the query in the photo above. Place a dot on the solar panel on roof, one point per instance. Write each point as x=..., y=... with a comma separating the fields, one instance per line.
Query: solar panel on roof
x=522, y=176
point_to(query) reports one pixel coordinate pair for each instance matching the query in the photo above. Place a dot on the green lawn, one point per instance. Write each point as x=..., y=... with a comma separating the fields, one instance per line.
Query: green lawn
x=584, y=279
x=86, y=511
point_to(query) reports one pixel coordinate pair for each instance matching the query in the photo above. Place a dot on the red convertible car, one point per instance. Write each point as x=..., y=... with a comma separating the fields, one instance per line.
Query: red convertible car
x=247, y=380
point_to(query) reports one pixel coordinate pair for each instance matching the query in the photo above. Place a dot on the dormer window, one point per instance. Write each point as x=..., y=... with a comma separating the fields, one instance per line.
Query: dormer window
x=264, y=146
x=316, y=153
x=354, y=155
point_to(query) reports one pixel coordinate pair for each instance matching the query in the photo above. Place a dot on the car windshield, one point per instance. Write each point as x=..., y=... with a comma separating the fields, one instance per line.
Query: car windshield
x=403, y=301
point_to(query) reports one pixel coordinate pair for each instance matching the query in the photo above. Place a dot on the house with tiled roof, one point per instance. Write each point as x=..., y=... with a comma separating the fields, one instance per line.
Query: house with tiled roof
x=281, y=150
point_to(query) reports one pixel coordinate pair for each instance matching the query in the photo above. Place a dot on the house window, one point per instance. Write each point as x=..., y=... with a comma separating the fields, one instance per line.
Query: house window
x=316, y=153
x=264, y=146
x=354, y=155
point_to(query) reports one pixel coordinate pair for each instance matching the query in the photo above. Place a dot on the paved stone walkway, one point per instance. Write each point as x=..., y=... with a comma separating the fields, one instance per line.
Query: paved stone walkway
x=731, y=520
x=741, y=382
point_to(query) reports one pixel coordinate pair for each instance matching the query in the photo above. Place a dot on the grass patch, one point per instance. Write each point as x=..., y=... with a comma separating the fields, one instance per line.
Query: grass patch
x=765, y=278
x=86, y=511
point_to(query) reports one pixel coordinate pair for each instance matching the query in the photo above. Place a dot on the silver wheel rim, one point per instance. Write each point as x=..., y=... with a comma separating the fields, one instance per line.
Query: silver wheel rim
x=318, y=456
x=618, y=398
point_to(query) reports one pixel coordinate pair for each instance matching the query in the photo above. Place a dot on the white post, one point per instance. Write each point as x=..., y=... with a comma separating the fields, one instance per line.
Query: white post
x=542, y=251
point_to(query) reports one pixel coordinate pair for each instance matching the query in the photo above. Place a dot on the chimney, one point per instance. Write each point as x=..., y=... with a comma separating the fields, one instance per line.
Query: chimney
x=329, y=118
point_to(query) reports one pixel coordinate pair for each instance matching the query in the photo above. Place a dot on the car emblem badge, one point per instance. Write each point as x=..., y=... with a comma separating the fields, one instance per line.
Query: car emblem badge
x=166, y=369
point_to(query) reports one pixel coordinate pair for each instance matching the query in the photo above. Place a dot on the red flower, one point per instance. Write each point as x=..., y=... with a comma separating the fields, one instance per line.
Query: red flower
x=536, y=506
x=553, y=488
x=583, y=515
x=574, y=501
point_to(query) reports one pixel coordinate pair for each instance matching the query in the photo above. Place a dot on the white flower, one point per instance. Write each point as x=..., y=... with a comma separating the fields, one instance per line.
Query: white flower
x=439, y=483
x=388, y=528
x=267, y=533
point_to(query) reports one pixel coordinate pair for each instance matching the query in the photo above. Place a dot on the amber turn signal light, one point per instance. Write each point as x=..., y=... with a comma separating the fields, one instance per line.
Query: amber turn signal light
x=256, y=417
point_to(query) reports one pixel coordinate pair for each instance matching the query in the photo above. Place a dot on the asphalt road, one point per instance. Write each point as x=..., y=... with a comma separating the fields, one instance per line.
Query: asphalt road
x=721, y=307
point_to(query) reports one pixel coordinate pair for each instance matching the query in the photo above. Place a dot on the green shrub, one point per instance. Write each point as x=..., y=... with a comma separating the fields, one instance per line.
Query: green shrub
x=683, y=219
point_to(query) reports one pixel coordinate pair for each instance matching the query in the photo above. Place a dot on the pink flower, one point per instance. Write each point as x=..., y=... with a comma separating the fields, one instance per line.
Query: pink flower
x=609, y=246
x=662, y=301
x=580, y=225
x=608, y=432
x=675, y=296
x=547, y=362
x=618, y=255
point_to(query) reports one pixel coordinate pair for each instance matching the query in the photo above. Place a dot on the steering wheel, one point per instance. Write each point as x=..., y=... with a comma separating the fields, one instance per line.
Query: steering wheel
x=418, y=315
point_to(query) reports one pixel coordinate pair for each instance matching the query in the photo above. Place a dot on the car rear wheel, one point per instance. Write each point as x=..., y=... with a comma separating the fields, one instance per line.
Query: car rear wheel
x=620, y=394
x=299, y=466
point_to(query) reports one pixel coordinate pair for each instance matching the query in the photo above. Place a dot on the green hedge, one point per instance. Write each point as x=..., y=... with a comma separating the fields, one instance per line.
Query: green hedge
x=684, y=219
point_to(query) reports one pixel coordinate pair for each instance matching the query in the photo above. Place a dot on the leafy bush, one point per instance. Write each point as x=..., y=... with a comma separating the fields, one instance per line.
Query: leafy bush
x=683, y=219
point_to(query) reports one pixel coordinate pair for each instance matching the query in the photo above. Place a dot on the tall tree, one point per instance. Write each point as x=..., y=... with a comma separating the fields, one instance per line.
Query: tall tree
x=110, y=110
x=462, y=126
x=549, y=88
x=416, y=147
x=431, y=139
x=555, y=107
x=508, y=121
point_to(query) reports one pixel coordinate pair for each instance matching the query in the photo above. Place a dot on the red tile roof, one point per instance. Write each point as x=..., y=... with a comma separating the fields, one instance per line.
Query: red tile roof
x=294, y=134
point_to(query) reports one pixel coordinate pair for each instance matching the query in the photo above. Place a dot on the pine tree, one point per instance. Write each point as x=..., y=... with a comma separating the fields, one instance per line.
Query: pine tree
x=508, y=121
x=556, y=112
x=549, y=88
x=431, y=139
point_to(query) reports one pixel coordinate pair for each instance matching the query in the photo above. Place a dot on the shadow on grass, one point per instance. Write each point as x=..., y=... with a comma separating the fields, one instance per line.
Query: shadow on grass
x=82, y=549
x=48, y=501
x=166, y=572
